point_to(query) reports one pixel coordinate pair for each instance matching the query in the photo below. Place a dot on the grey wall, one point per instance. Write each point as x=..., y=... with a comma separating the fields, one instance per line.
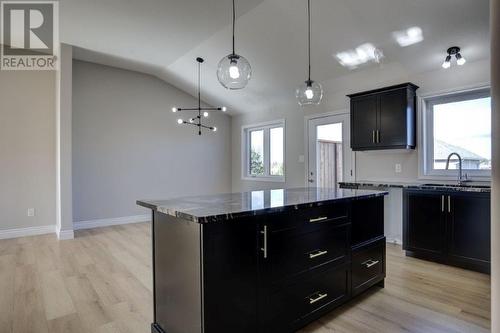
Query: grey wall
x=128, y=146
x=369, y=165
x=27, y=148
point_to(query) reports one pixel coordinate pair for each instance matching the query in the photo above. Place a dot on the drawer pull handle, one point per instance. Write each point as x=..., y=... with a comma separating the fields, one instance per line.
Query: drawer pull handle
x=370, y=263
x=313, y=300
x=319, y=219
x=317, y=254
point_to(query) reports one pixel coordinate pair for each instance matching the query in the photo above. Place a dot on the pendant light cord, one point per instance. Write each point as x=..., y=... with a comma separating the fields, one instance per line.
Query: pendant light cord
x=199, y=89
x=309, y=36
x=234, y=19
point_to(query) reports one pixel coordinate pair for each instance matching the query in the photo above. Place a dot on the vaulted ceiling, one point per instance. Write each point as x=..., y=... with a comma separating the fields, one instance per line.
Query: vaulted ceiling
x=163, y=38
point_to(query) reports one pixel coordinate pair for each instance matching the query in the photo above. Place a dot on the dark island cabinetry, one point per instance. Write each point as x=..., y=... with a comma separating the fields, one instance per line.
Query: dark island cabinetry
x=450, y=227
x=266, y=272
x=384, y=118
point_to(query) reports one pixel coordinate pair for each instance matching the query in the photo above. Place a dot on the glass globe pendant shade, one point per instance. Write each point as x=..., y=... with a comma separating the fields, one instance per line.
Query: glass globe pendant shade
x=309, y=93
x=234, y=72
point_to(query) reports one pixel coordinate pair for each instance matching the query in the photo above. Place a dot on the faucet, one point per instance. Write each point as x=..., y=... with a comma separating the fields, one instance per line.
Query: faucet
x=461, y=177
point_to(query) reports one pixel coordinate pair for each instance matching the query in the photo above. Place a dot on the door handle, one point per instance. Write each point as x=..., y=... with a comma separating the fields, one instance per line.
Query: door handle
x=264, y=249
x=317, y=254
x=378, y=136
x=442, y=203
x=373, y=136
x=449, y=204
x=320, y=296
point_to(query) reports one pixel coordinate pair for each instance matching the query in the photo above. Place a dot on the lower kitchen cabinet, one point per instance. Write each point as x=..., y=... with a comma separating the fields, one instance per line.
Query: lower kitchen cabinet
x=450, y=227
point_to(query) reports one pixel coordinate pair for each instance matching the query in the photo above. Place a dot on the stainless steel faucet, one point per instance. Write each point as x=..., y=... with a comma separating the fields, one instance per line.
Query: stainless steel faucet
x=461, y=178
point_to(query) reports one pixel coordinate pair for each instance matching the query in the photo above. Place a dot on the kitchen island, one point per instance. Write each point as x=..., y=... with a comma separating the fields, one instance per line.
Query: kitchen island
x=263, y=261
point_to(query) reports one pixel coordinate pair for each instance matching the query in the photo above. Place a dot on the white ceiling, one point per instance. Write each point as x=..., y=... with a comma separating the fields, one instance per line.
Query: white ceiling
x=163, y=37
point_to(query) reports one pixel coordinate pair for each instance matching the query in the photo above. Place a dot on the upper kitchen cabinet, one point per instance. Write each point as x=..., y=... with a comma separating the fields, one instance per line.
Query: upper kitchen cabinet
x=384, y=118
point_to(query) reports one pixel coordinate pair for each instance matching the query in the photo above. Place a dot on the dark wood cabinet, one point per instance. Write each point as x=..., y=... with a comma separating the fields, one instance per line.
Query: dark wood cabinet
x=450, y=227
x=274, y=273
x=384, y=118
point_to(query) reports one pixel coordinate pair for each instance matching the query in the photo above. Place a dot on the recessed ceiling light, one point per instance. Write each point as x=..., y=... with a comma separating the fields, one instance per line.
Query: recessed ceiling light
x=362, y=54
x=409, y=36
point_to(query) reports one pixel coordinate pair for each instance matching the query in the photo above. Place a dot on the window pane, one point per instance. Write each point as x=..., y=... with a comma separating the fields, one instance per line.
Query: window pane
x=463, y=127
x=256, y=153
x=276, y=153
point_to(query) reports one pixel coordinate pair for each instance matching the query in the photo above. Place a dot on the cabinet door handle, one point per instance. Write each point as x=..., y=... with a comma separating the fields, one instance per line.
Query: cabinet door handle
x=378, y=136
x=317, y=254
x=373, y=136
x=449, y=204
x=319, y=219
x=319, y=297
x=442, y=203
x=264, y=249
x=370, y=263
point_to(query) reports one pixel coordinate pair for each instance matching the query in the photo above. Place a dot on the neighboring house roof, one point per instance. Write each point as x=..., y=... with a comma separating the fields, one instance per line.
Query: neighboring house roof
x=443, y=149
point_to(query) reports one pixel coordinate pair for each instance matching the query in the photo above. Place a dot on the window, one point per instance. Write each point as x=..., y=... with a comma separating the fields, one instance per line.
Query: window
x=264, y=151
x=458, y=123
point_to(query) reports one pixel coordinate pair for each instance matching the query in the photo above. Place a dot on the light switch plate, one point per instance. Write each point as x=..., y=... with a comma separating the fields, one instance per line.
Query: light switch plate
x=398, y=168
x=31, y=212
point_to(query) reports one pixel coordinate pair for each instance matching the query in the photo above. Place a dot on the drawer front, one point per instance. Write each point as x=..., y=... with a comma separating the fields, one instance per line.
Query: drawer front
x=292, y=253
x=308, y=219
x=368, y=266
x=283, y=308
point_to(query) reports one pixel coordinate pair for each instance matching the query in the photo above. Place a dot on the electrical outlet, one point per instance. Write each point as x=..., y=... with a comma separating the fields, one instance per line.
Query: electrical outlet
x=398, y=168
x=31, y=212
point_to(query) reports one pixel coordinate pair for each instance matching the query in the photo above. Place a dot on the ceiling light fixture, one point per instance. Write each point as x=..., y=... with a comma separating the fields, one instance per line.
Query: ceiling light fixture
x=197, y=120
x=453, y=51
x=234, y=71
x=310, y=92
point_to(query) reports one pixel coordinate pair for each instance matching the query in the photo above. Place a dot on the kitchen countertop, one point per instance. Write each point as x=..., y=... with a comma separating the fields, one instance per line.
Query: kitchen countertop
x=222, y=207
x=468, y=187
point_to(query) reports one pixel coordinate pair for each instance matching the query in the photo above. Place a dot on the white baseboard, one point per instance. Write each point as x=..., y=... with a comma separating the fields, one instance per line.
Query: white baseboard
x=394, y=240
x=65, y=234
x=24, y=232
x=110, y=222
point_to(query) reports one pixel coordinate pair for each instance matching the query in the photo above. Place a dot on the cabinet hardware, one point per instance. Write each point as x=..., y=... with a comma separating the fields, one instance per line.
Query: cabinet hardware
x=322, y=218
x=370, y=263
x=317, y=254
x=373, y=136
x=449, y=204
x=313, y=300
x=264, y=249
x=378, y=136
x=442, y=203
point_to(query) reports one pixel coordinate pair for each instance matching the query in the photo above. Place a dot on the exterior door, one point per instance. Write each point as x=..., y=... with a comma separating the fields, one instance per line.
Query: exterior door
x=330, y=158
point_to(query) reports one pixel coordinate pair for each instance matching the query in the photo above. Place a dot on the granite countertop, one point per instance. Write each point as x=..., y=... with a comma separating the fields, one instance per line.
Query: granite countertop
x=221, y=207
x=468, y=187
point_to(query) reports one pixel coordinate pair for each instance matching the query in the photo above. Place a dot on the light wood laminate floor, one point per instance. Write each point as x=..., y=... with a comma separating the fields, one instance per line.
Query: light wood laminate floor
x=101, y=282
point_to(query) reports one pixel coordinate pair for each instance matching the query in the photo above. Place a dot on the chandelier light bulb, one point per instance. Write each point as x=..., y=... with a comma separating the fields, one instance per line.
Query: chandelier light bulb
x=174, y=110
x=234, y=72
x=180, y=121
x=191, y=120
x=224, y=109
x=205, y=114
x=460, y=60
x=214, y=129
x=447, y=62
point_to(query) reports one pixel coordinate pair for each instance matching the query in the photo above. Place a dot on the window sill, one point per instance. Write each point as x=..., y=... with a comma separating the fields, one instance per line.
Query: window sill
x=265, y=179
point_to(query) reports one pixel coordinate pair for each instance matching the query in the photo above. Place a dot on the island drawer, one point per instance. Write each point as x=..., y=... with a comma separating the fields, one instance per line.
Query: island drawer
x=308, y=219
x=368, y=266
x=283, y=308
x=284, y=255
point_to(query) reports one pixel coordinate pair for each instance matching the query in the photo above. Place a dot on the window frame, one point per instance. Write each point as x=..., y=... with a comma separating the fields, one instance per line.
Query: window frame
x=427, y=134
x=245, y=151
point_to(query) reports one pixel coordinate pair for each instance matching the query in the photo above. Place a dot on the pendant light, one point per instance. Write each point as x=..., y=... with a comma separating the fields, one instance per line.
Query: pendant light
x=234, y=71
x=198, y=119
x=310, y=92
